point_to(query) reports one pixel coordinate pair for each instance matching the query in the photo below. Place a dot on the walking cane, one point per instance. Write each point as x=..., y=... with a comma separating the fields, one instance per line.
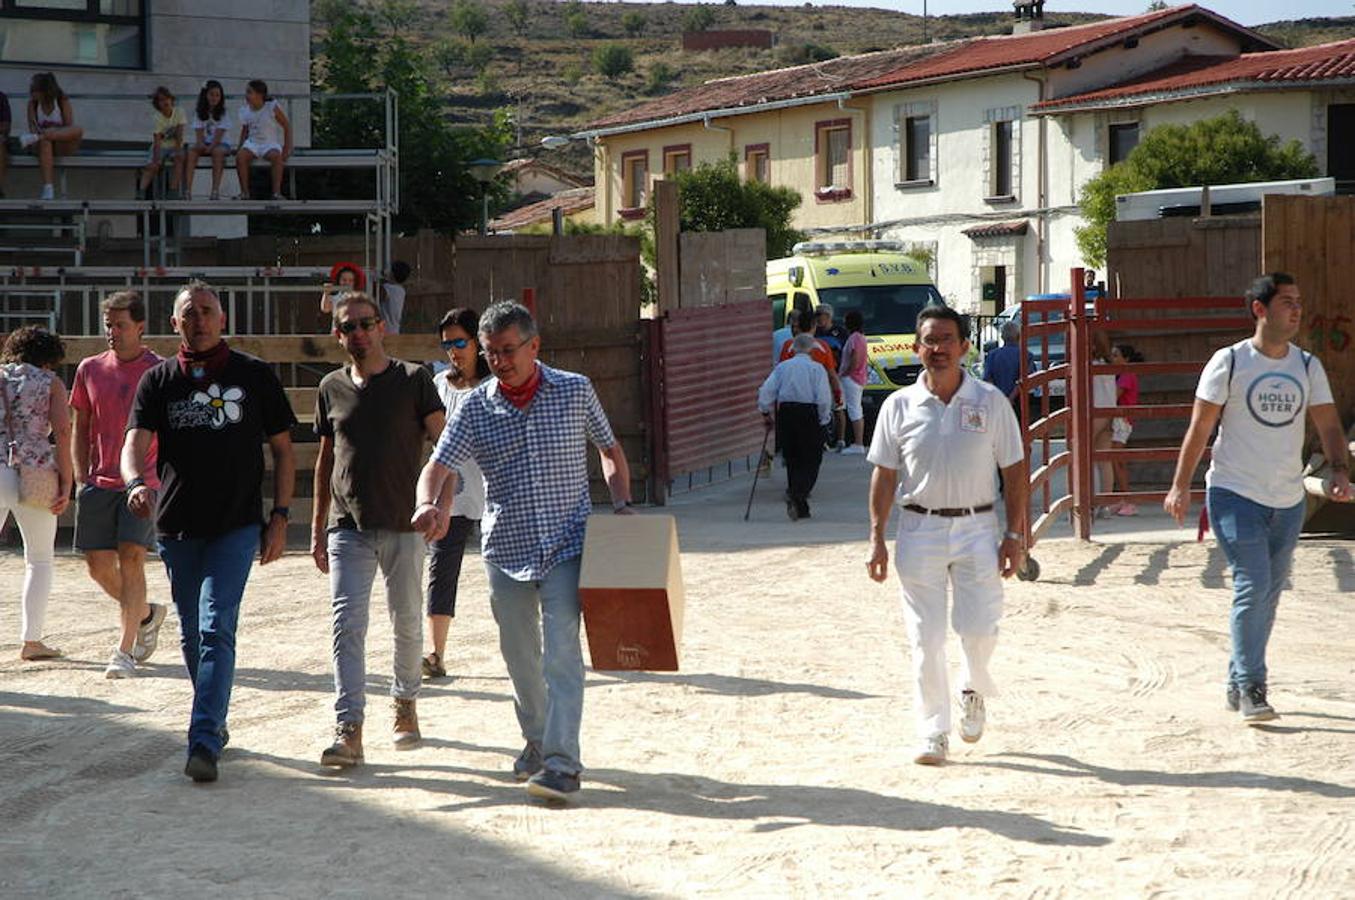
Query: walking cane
x=762, y=455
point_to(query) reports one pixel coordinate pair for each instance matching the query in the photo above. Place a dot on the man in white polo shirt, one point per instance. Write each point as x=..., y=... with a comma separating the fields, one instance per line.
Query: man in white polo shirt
x=1259, y=388
x=938, y=446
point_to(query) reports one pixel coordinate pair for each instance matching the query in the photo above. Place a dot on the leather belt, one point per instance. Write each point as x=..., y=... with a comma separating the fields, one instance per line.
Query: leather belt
x=951, y=513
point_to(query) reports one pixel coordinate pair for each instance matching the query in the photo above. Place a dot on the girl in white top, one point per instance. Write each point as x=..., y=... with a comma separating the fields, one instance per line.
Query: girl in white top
x=265, y=132
x=211, y=135
x=167, y=139
x=52, y=131
x=458, y=331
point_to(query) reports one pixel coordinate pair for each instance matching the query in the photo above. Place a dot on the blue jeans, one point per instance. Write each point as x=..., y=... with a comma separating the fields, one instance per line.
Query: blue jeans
x=207, y=578
x=547, y=686
x=354, y=557
x=1259, y=543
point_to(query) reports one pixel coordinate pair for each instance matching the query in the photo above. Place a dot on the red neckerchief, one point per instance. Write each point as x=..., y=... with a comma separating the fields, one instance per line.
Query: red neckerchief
x=205, y=366
x=522, y=396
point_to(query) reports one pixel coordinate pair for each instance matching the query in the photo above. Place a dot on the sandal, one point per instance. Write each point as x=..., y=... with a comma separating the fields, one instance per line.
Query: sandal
x=433, y=667
x=40, y=652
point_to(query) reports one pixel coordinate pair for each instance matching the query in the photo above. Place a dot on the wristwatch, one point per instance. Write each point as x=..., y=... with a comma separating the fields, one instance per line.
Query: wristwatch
x=1013, y=535
x=620, y=505
x=283, y=511
x=135, y=483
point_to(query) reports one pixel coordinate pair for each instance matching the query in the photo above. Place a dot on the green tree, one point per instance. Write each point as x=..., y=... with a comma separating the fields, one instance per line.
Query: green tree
x=576, y=23
x=698, y=18
x=634, y=23
x=469, y=19
x=457, y=56
x=356, y=55
x=613, y=60
x=800, y=54
x=658, y=78
x=1226, y=149
x=712, y=197
x=519, y=16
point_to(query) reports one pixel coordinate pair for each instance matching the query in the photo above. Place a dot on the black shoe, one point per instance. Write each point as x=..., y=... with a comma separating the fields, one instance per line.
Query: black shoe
x=201, y=767
x=792, y=509
x=1234, y=697
x=549, y=784
x=1254, y=706
x=804, y=509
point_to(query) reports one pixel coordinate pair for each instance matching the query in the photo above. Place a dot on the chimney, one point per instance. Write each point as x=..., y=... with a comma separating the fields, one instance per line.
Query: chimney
x=1029, y=16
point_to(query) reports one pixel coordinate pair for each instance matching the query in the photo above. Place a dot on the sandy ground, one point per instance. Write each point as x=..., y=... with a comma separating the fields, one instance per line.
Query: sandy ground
x=776, y=764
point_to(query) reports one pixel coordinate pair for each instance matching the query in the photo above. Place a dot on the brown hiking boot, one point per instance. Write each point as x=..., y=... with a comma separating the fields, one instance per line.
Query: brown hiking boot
x=346, y=751
x=407, y=735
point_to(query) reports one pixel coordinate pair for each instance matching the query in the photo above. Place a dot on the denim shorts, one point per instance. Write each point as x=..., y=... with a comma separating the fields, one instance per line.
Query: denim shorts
x=103, y=521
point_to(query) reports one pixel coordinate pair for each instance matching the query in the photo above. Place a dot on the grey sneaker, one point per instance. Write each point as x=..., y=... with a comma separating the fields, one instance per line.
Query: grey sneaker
x=529, y=761
x=148, y=634
x=972, y=719
x=933, y=751
x=1254, y=706
x=1233, y=698
x=549, y=784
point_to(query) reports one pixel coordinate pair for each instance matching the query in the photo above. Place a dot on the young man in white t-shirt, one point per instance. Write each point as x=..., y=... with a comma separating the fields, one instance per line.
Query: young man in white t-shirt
x=1257, y=391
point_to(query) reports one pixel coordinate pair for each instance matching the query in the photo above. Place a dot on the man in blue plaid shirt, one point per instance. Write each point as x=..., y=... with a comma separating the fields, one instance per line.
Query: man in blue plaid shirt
x=528, y=429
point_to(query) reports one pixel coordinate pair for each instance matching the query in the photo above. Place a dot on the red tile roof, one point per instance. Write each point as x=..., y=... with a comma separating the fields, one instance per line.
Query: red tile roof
x=530, y=162
x=778, y=84
x=1053, y=46
x=569, y=202
x=954, y=59
x=997, y=229
x=1205, y=74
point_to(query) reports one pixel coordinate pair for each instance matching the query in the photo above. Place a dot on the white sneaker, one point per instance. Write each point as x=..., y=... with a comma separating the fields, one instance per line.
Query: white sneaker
x=854, y=450
x=971, y=723
x=121, y=666
x=148, y=635
x=933, y=751
x=27, y=139
x=48, y=192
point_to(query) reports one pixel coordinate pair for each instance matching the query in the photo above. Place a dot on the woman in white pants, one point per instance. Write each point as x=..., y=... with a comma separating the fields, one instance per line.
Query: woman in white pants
x=34, y=409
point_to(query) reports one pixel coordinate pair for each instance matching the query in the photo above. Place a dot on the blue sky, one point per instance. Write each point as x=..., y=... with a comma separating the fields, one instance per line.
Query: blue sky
x=1248, y=12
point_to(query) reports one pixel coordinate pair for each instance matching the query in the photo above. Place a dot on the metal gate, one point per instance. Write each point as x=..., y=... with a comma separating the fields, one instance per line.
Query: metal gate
x=706, y=365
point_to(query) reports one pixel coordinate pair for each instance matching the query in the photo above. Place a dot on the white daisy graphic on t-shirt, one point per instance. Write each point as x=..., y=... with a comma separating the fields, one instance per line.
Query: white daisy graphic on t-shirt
x=224, y=403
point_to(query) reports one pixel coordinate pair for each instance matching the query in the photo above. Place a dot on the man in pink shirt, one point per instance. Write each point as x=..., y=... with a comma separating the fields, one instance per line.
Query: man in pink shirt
x=113, y=540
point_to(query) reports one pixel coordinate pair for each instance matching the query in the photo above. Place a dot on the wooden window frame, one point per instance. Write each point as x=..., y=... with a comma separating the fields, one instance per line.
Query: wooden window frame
x=631, y=213
x=906, y=144
x=821, y=193
x=995, y=194
x=751, y=150
x=673, y=150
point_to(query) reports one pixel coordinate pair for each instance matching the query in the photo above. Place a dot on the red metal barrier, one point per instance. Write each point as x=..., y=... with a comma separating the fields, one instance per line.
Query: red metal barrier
x=1052, y=320
x=706, y=367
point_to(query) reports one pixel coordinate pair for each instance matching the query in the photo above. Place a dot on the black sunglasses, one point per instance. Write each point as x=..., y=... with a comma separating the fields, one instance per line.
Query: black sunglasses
x=458, y=343
x=367, y=323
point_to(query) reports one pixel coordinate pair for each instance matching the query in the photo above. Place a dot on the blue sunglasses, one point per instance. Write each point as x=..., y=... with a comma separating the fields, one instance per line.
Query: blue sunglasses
x=458, y=343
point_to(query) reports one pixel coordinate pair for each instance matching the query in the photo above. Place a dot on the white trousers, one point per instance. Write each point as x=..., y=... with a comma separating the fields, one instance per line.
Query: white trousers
x=931, y=553
x=38, y=528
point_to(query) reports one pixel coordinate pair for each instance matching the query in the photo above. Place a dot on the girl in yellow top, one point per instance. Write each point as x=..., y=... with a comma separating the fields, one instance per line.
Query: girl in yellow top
x=167, y=134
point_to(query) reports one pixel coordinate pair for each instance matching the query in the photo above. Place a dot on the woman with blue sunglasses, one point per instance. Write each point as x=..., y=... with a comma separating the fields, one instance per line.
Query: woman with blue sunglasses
x=465, y=369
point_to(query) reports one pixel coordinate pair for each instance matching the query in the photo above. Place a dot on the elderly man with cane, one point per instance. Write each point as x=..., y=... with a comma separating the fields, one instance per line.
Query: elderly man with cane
x=797, y=401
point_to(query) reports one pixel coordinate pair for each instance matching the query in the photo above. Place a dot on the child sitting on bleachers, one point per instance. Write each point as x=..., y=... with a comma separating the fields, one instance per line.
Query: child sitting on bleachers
x=264, y=132
x=168, y=124
x=211, y=136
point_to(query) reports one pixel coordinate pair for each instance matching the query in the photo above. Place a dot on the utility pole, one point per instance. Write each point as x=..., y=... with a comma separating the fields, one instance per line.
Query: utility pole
x=926, y=39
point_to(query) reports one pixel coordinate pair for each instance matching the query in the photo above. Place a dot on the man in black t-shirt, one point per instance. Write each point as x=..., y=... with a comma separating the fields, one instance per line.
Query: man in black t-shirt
x=372, y=417
x=210, y=409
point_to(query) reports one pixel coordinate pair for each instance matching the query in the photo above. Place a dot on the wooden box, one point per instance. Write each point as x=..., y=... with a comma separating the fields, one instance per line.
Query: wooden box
x=630, y=588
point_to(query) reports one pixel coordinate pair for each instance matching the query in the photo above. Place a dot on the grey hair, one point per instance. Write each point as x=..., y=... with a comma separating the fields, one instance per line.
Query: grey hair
x=1011, y=330
x=804, y=343
x=194, y=286
x=507, y=314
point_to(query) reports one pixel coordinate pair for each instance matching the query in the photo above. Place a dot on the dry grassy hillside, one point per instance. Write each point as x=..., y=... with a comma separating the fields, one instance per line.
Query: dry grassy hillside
x=544, y=69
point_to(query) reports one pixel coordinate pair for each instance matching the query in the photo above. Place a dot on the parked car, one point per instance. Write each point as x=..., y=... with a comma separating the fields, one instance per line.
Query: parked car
x=1048, y=352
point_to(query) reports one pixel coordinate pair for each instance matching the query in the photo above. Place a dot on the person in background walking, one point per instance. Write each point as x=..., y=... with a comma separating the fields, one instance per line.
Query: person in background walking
x=835, y=336
x=796, y=401
x=855, y=362
x=528, y=428
x=34, y=416
x=210, y=410
x=936, y=446
x=466, y=369
x=1257, y=391
x=112, y=539
x=1127, y=394
x=1002, y=367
